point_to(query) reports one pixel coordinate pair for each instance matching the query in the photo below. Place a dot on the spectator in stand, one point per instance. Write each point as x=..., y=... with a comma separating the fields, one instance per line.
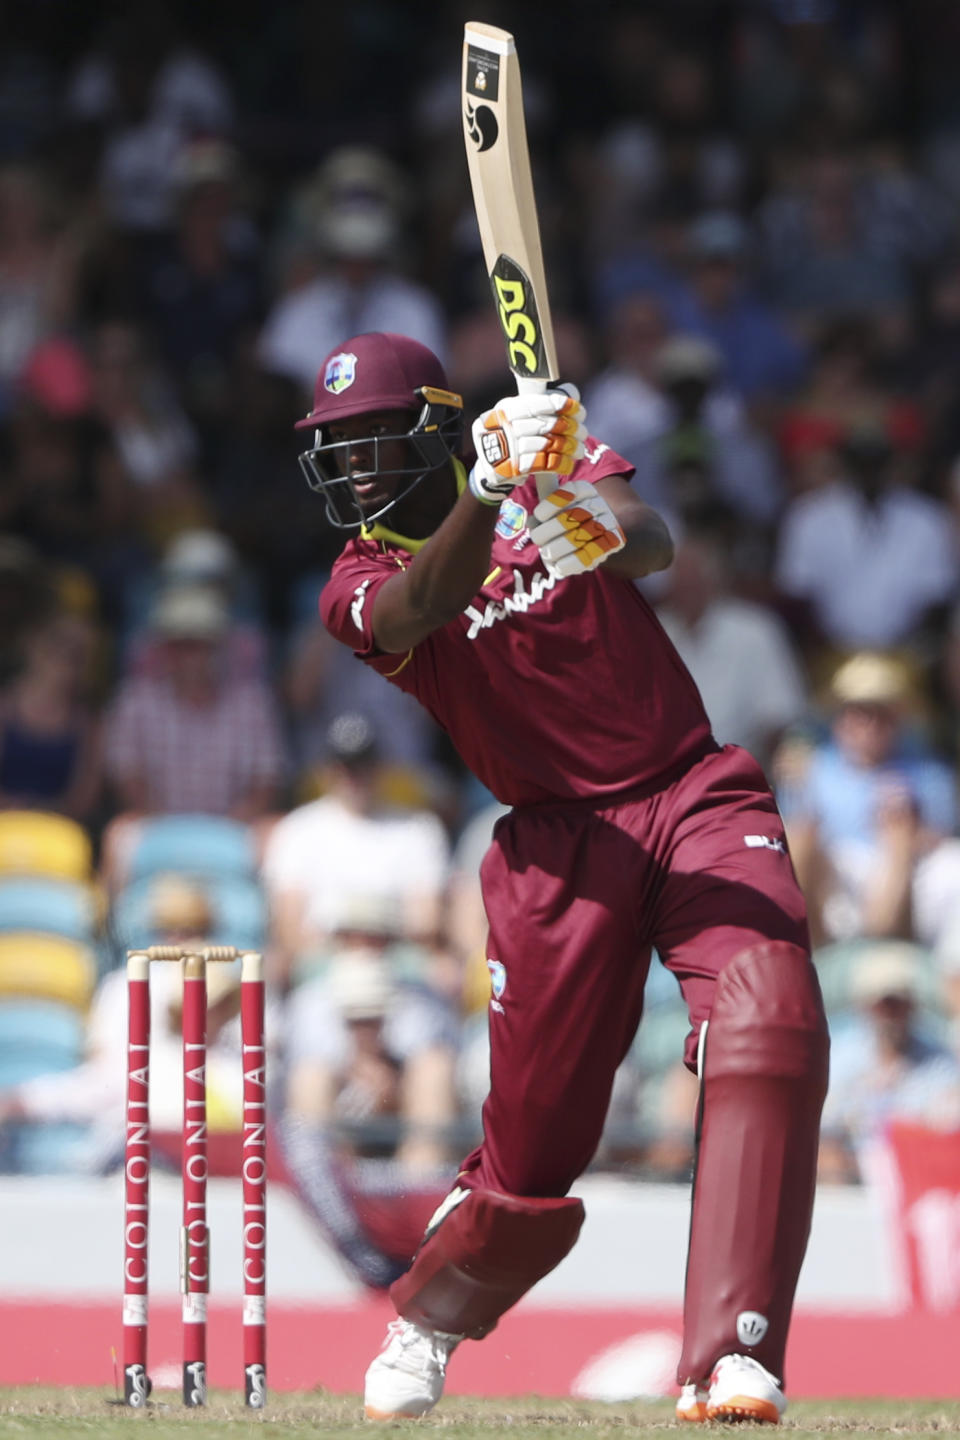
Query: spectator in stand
x=885, y=1065
x=50, y=732
x=670, y=159
x=194, y=738
x=933, y=364
x=323, y=680
x=354, y=214
x=867, y=560
x=703, y=419
x=865, y=808
x=626, y=394
x=65, y=488
x=763, y=359
x=151, y=91
x=699, y=272
x=152, y=438
x=202, y=286
x=25, y=599
x=371, y=1054
x=848, y=237
x=206, y=558
x=250, y=472
x=324, y=854
x=37, y=271
x=739, y=653
x=843, y=391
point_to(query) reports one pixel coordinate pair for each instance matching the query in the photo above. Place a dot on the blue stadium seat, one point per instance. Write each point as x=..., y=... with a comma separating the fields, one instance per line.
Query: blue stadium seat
x=48, y=1148
x=38, y=1037
x=57, y=907
x=201, y=845
x=239, y=913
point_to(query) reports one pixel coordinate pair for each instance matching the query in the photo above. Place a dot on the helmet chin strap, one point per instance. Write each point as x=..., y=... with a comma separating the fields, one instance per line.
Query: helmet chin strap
x=377, y=531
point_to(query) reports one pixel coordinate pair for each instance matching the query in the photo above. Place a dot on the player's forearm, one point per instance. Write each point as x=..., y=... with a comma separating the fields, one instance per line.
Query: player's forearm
x=649, y=546
x=440, y=580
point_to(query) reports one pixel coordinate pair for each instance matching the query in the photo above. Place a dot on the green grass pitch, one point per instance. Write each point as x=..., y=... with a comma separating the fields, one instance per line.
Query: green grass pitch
x=36, y=1413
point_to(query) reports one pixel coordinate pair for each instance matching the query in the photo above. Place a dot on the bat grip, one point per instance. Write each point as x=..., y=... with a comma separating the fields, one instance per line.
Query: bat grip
x=526, y=385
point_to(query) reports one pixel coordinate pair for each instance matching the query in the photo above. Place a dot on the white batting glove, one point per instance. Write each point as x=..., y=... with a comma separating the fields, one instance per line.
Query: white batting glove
x=537, y=432
x=576, y=529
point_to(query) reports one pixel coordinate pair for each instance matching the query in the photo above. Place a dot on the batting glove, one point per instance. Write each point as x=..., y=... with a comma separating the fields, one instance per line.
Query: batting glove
x=576, y=529
x=538, y=432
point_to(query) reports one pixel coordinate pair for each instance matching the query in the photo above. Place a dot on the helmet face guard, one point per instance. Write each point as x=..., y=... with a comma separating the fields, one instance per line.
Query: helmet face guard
x=432, y=440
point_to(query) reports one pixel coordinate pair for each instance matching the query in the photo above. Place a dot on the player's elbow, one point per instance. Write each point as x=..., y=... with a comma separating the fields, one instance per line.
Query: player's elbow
x=649, y=548
x=663, y=549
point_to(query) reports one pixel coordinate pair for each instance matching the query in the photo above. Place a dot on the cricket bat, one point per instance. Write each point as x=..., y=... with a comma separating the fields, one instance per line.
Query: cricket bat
x=495, y=135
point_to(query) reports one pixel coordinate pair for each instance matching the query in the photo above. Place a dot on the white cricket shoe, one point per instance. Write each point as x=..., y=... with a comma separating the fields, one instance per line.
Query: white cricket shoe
x=692, y=1404
x=407, y=1376
x=740, y=1389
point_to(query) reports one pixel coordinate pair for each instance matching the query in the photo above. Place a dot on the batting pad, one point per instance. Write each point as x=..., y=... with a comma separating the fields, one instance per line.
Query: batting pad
x=763, y=1087
x=485, y=1253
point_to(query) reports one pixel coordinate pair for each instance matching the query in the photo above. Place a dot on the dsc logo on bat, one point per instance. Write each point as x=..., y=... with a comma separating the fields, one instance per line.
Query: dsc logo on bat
x=518, y=317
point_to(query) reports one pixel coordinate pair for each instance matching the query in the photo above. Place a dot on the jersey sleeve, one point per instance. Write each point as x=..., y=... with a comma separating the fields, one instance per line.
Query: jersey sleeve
x=346, y=602
x=598, y=461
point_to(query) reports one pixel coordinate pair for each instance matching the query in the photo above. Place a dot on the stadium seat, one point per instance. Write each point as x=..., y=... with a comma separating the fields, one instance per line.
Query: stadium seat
x=34, y=842
x=44, y=1148
x=201, y=845
x=58, y=907
x=38, y=1037
x=47, y=967
x=238, y=904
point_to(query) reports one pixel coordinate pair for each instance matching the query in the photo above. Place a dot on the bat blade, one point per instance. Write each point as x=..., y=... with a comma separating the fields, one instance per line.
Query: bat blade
x=495, y=135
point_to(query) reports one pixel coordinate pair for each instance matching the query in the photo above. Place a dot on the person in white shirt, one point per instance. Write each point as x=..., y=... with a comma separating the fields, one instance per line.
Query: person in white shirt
x=868, y=556
x=325, y=855
x=355, y=210
x=739, y=652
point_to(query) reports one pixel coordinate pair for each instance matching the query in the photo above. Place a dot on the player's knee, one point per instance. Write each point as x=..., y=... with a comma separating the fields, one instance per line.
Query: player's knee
x=768, y=1017
x=486, y=1251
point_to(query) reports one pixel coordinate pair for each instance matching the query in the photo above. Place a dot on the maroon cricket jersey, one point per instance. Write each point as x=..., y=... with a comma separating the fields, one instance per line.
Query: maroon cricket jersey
x=550, y=689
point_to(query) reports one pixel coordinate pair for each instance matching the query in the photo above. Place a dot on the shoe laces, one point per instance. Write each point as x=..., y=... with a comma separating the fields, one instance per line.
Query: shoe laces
x=410, y=1347
x=744, y=1362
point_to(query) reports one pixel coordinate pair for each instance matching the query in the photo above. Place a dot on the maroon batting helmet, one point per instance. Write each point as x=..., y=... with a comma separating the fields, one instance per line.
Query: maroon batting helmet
x=364, y=375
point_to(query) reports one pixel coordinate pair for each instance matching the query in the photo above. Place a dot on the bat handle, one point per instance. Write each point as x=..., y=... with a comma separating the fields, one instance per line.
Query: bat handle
x=526, y=385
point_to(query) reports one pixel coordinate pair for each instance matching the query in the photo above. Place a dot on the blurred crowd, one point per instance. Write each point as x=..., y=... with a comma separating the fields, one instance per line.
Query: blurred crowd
x=751, y=224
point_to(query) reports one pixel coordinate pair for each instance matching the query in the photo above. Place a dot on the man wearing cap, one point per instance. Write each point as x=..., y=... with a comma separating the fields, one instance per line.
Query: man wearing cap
x=887, y=1062
x=505, y=602
x=867, y=805
x=355, y=204
x=735, y=466
x=366, y=1044
x=192, y=738
x=763, y=360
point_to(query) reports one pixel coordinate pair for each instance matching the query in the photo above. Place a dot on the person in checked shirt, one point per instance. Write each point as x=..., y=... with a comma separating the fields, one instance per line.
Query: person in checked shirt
x=503, y=599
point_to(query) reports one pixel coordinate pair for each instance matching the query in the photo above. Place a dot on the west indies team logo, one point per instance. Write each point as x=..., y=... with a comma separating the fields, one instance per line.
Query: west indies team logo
x=498, y=977
x=511, y=520
x=340, y=373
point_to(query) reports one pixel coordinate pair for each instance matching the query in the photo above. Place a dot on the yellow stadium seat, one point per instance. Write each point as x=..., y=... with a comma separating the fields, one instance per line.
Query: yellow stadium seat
x=47, y=967
x=34, y=842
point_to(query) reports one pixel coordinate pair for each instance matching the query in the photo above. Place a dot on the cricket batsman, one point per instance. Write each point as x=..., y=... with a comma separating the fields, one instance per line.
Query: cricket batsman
x=503, y=599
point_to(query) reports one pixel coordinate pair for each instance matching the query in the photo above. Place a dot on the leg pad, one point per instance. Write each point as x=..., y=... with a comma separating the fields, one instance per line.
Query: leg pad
x=763, y=1086
x=486, y=1252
